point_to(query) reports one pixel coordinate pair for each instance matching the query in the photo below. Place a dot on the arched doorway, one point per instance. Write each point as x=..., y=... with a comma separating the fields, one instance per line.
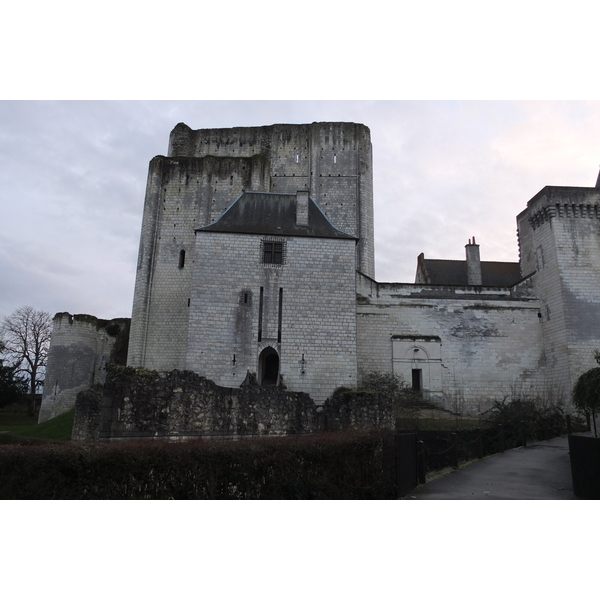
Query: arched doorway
x=268, y=367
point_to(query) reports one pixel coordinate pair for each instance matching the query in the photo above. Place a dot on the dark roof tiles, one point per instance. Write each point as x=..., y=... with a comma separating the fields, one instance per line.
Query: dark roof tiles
x=454, y=272
x=266, y=213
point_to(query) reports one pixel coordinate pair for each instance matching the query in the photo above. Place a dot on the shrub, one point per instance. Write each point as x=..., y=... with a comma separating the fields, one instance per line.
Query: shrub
x=586, y=391
x=541, y=419
x=340, y=465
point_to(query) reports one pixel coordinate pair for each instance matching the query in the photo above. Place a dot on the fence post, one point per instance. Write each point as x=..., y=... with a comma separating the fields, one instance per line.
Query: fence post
x=479, y=446
x=454, y=449
x=569, y=426
x=421, y=461
x=523, y=434
x=501, y=437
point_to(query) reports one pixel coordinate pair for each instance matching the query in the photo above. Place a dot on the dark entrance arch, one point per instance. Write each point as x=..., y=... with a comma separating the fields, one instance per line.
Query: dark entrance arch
x=268, y=367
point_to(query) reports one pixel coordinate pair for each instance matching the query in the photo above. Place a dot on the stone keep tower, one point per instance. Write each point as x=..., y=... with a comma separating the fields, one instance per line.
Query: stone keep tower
x=559, y=242
x=204, y=173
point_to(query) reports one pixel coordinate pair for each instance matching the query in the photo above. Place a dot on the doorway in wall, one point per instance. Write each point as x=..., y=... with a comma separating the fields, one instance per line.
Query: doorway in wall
x=268, y=367
x=417, y=379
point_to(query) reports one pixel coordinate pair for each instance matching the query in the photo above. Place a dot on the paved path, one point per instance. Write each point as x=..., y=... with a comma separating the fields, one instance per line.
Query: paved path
x=541, y=471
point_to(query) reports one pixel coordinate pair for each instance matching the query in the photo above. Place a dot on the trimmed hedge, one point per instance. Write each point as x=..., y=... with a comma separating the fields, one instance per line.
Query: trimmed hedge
x=340, y=465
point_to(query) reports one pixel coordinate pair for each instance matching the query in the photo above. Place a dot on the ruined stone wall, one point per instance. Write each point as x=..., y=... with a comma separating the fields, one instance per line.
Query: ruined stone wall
x=352, y=409
x=181, y=404
x=559, y=235
x=305, y=311
x=473, y=345
x=81, y=348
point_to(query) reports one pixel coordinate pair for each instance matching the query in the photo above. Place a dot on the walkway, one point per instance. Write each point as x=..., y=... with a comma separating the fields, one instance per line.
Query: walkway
x=541, y=471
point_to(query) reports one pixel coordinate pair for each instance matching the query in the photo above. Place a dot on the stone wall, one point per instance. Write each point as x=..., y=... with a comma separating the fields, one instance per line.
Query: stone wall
x=472, y=345
x=81, y=348
x=179, y=405
x=559, y=236
x=332, y=160
x=182, y=194
x=352, y=409
x=304, y=309
x=205, y=172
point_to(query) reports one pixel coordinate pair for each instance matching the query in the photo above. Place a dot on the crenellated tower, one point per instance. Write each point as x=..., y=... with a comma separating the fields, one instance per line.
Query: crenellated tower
x=559, y=243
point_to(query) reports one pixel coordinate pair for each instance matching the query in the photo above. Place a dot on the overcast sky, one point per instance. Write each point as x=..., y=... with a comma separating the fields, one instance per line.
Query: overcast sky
x=73, y=179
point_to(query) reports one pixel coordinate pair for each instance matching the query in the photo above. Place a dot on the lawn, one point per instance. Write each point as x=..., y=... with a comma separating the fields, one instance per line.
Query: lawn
x=19, y=424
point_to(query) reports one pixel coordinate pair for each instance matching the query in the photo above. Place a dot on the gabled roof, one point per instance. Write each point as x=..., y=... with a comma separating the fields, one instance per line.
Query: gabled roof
x=265, y=213
x=454, y=272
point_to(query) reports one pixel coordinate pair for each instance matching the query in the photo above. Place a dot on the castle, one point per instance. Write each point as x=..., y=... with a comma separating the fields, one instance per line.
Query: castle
x=257, y=258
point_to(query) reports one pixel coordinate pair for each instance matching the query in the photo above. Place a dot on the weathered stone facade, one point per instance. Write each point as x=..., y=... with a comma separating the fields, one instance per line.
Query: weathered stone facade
x=82, y=348
x=181, y=404
x=303, y=309
x=256, y=259
x=205, y=172
x=468, y=345
x=559, y=243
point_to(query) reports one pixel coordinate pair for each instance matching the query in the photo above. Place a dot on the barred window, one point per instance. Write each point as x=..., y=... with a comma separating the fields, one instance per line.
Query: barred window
x=273, y=253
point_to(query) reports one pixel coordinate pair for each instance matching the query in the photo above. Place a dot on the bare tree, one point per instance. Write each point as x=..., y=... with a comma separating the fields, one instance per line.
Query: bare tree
x=25, y=336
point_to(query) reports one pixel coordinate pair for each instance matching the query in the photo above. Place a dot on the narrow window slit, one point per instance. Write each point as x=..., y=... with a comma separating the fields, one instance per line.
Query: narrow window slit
x=280, y=316
x=260, y=312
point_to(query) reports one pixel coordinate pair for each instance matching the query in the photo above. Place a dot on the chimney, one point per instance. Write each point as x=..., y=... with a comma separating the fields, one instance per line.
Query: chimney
x=473, y=263
x=302, y=207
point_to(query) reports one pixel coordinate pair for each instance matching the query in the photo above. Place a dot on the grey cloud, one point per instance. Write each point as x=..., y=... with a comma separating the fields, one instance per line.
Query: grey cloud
x=73, y=177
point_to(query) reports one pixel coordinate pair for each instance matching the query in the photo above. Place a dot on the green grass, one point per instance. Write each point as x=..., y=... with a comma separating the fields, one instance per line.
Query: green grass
x=19, y=424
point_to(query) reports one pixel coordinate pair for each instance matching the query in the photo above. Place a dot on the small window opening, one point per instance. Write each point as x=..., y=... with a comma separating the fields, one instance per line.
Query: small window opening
x=181, y=259
x=245, y=297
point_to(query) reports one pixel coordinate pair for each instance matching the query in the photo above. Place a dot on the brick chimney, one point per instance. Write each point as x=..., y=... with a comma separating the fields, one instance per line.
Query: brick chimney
x=473, y=263
x=302, y=207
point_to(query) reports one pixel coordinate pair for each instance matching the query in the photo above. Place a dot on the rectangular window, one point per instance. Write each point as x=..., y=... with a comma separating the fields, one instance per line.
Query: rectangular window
x=273, y=253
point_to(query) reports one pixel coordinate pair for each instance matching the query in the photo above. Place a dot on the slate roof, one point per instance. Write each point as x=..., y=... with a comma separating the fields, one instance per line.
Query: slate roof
x=265, y=213
x=454, y=272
